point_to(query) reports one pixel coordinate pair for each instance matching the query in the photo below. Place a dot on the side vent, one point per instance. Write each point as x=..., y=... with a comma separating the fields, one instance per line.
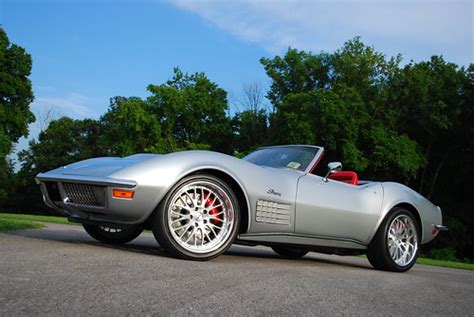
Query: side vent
x=272, y=212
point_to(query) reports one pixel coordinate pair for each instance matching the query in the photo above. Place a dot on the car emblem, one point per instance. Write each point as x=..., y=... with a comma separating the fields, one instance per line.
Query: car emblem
x=273, y=192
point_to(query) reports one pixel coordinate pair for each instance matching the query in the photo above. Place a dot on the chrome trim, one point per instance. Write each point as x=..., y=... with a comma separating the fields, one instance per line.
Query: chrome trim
x=300, y=239
x=42, y=177
x=333, y=167
x=440, y=227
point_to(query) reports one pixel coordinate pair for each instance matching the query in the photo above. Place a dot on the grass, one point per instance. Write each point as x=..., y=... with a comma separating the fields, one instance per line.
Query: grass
x=443, y=263
x=14, y=224
x=9, y=222
x=53, y=219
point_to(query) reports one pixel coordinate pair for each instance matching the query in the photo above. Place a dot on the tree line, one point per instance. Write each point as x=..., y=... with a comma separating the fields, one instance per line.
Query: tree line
x=411, y=123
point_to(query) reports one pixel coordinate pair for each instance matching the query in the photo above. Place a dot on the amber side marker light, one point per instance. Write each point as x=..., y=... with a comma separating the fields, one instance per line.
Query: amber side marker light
x=120, y=193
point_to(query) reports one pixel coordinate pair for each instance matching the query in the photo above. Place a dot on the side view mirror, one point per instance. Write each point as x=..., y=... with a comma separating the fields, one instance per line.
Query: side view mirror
x=332, y=168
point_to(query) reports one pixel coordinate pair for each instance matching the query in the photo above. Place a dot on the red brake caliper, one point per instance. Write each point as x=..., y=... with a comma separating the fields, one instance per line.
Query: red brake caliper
x=213, y=211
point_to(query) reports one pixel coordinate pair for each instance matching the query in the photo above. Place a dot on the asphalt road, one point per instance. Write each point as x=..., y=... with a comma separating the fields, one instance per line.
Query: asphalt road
x=59, y=270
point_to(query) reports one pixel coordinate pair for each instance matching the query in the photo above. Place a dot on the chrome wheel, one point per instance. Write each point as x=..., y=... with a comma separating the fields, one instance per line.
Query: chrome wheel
x=402, y=240
x=201, y=216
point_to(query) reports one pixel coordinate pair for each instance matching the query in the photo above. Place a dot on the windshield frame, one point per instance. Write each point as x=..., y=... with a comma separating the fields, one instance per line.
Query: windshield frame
x=311, y=165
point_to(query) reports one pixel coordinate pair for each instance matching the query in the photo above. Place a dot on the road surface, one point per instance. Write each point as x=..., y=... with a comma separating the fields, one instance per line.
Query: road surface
x=59, y=270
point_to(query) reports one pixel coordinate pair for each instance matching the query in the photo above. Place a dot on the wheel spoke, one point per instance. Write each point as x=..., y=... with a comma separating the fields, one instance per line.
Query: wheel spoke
x=207, y=235
x=212, y=229
x=183, y=226
x=184, y=231
x=213, y=202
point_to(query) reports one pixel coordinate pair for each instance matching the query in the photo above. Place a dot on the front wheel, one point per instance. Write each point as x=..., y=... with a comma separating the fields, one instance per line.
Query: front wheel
x=113, y=235
x=395, y=245
x=198, y=219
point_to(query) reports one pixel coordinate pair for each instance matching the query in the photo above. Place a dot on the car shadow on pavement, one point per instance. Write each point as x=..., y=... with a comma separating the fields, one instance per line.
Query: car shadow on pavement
x=146, y=244
x=311, y=257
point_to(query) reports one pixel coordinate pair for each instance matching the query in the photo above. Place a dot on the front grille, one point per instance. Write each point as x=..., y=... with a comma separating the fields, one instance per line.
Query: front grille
x=87, y=195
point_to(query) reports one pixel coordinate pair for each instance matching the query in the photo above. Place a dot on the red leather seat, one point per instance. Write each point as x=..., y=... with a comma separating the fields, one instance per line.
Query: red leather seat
x=348, y=177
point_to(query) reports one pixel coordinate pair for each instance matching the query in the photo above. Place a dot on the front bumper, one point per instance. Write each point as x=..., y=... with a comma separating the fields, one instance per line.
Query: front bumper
x=109, y=210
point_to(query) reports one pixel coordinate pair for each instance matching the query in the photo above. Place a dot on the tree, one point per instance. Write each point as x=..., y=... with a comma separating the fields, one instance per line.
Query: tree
x=430, y=97
x=251, y=129
x=339, y=101
x=250, y=123
x=15, y=98
x=296, y=72
x=192, y=113
x=129, y=127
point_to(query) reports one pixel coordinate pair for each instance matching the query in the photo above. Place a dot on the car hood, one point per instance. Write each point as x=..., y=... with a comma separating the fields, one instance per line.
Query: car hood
x=103, y=166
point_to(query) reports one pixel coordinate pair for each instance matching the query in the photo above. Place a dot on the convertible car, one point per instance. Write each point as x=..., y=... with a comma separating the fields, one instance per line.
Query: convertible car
x=198, y=203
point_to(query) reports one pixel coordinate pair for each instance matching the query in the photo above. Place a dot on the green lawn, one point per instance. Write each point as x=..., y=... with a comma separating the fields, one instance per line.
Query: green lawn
x=443, y=263
x=10, y=222
x=52, y=219
x=15, y=224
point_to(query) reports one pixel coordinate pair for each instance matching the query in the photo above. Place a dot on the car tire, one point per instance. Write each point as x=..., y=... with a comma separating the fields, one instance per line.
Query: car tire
x=113, y=235
x=289, y=253
x=395, y=246
x=198, y=219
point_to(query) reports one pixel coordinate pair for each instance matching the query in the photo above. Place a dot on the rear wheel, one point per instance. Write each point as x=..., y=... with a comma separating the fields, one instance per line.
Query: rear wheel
x=113, y=235
x=198, y=219
x=291, y=253
x=395, y=245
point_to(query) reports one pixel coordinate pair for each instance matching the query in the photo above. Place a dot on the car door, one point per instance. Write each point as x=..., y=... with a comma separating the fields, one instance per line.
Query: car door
x=335, y=209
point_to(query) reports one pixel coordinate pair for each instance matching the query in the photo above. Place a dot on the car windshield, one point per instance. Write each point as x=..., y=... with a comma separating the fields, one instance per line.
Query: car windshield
x=294, y=157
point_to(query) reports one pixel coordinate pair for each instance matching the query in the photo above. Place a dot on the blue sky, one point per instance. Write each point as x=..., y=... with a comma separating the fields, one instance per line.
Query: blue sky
x=85, y=52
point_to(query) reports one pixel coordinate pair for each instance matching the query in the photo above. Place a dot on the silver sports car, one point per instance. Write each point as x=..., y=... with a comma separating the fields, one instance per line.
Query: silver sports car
x=199, y=202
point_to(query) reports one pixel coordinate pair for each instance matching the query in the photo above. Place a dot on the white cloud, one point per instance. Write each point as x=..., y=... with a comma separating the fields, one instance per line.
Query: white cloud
x=413, y=27
x=74, y=105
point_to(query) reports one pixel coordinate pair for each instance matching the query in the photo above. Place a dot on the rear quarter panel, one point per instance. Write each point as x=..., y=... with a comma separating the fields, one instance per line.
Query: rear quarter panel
x=396, y=194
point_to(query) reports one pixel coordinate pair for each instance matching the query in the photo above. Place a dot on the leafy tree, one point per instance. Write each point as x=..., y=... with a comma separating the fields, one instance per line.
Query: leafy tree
x=15, y=98
x=251, y=129
x=360, y=67
x=129, y=127
x=296, y=72
x=430, y=98
x=341, y=118
x=192, y=112
x=339, y=100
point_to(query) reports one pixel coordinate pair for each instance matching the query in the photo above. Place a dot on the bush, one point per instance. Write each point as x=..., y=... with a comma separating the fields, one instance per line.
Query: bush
x=446, y=254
